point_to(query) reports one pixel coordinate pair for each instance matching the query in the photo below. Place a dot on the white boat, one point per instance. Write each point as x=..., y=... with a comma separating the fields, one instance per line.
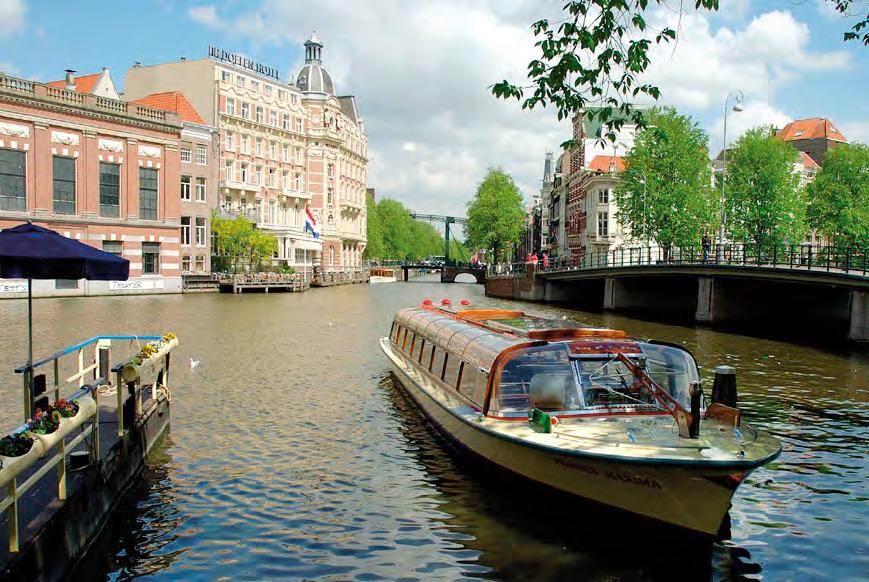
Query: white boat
x=382, y=275
x=586, y=410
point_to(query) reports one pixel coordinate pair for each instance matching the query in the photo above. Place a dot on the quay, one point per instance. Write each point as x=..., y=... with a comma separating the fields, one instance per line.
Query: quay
x=60, y=493
x=816, y=289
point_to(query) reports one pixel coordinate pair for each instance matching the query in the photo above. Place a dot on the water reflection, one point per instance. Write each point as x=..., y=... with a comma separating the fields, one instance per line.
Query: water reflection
x=294, y=456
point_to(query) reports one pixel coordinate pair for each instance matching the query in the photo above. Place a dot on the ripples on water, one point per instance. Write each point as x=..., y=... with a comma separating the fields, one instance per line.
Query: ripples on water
x=293, y=455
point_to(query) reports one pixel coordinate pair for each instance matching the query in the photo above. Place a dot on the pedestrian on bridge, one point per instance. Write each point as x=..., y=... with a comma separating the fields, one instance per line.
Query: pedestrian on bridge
x=545, y=261
x=706, y=243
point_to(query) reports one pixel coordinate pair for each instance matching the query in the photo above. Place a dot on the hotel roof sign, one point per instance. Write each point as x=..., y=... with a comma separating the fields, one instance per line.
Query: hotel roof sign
x=243, y=62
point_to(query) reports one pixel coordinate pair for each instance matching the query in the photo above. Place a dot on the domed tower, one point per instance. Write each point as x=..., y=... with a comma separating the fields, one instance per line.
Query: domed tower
x=313, y=79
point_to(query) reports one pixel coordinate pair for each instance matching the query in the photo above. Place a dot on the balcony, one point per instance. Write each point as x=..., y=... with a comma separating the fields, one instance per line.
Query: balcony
x=301, y=194
x=239, y=185
x=351, y=204
x=229, y=213
x=348, y=235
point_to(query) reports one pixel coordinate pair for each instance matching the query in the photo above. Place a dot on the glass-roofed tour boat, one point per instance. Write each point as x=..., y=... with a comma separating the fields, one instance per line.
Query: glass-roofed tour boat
x=586, y=410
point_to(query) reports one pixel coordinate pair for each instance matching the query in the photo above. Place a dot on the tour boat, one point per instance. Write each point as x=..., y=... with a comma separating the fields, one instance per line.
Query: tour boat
x=586, y=410
x=382, y=275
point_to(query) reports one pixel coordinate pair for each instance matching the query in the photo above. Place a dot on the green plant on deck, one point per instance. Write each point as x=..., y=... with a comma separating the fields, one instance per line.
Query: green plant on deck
x=15, y=445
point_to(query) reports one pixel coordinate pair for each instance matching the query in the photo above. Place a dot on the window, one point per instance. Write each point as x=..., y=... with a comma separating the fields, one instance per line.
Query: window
x=245, y=144
x=285, y=182
x=186, y=155
x=245, y=109
x=273, y=179
x=230, y=106
x=451, y=376
x=260, y=114
x=273, y=212
x=603, y=196
x=185, y=264
x=185, y=187
x=268, y=89
x=201, y=155
x=244, y=173
x=200, y=263
x=273, y=118
x=185, y=230
x=201, y=191
x=110, y=190
x=200, y=231
x=259, y=147
x=254, y=86
x=330, y=169
x=439, y=363
x=300, y=156
x=282, y=95
x=286, y=121
x=799, y=133
x=230, y=170
x=603, y=223
x=239, y=81
x=330, y=197
x=13, y=187
x=286, y=154
x=273, y=150
x=258, y=176
x=113, y=247
x=230, y=141
x=150, y=258
x=298, y=182
x=64, y=185
x=226, y=76
x=299, y=127
x=148, y=193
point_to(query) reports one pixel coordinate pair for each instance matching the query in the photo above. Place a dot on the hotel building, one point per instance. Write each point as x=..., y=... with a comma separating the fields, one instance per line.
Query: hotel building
x=76, y=159
x=283, y=147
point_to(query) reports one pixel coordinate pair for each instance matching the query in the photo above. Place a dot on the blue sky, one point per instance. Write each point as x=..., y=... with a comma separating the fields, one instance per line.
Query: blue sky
x=421, y=70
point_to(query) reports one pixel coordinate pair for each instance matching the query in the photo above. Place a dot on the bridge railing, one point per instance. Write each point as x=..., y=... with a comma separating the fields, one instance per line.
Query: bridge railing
x=829, y=258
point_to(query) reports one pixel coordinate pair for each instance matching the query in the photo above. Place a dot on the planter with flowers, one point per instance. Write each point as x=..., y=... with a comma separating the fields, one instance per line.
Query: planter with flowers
x=148, y=363
x=61, y=418
x=17, y=452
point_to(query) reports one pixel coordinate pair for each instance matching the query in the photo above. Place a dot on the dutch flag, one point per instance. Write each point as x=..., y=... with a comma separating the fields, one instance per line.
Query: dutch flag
x=311, y=224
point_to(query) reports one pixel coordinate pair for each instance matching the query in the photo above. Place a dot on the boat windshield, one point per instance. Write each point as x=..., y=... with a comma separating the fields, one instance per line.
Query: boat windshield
x=548, y=378
x=606, y=382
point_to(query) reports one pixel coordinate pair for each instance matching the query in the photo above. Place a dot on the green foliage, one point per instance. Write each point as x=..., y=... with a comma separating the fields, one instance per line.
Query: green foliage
x=839, y=196
x=241, y=245
x=597, y=52
x=763, y=198
x=394, y=234
x=495, y=215
x=665, y=194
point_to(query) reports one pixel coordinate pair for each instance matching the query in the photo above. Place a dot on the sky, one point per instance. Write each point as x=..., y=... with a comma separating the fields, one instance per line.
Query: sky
x=422, y=71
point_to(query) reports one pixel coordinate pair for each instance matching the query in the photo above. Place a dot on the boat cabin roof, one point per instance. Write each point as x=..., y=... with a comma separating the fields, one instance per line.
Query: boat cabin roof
x=479, y=336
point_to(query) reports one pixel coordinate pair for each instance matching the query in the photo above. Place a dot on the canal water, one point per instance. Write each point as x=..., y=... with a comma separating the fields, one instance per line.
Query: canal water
x=294, y=455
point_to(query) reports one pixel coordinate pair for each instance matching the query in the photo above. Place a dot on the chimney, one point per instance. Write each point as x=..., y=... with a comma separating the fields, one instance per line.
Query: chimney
x=137, y=64
x=70, y=79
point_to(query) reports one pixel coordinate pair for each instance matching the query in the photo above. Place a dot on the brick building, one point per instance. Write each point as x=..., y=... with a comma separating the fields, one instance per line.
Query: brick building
x=76, y=159
x=814, y=136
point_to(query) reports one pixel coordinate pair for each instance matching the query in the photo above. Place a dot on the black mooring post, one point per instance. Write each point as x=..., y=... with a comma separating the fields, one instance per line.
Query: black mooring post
x=696, y=396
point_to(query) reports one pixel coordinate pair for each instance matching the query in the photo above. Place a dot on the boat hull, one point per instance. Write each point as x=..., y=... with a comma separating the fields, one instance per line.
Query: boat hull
x=694, y=498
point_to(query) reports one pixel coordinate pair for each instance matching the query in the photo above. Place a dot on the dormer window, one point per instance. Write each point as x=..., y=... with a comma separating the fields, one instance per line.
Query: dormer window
x=799, y=133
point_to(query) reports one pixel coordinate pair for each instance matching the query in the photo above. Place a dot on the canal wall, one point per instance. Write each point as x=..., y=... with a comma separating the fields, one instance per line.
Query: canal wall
x=17, y=288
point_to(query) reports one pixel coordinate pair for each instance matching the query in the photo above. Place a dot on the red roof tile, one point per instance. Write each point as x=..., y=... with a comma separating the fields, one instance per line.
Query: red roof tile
x=808, y=161
x=603, y=163
x=83, y=84
x=173, y=101
x=814, y=128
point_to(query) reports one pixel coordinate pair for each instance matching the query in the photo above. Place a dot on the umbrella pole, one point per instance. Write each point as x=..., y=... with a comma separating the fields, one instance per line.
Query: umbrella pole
x=28, y=397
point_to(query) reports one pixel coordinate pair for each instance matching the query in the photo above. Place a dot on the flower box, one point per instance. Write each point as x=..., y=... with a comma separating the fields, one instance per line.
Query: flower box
x=12, y=466
x=149, y=369
x=87, y=408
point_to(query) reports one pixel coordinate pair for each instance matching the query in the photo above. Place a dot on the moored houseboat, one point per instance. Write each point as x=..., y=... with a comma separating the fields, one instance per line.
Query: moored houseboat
x=382, y=275
x=589, y=411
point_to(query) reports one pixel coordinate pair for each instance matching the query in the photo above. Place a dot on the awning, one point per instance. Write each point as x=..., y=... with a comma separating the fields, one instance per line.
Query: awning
x=308, y=245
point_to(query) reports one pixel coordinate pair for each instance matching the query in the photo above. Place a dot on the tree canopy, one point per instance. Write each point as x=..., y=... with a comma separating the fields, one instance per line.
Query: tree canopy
x=394, y=234
x=496, y=214
x=598, y=51
x=763, y=200
x=838, y=199
x=665, y=194
x=239, y=245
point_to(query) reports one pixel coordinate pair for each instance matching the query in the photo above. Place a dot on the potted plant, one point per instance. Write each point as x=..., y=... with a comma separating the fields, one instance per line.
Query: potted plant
x=146, y=365
x=17, y=452
x=53, y=424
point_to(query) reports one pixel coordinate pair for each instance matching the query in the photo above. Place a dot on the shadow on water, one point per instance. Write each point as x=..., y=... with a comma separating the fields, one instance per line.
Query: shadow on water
x=522, y=530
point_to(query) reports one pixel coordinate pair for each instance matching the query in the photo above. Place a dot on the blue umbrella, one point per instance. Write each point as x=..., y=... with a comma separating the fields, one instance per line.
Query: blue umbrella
x=32, y=252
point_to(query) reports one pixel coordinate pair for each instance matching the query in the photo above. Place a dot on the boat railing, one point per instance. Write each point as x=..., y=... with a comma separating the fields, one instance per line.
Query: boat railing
x=77, y=373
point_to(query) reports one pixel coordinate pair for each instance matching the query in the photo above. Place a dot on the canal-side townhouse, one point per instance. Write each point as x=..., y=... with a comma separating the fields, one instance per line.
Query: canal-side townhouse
x=285, y=149
x=197, y=189
x=78, y=160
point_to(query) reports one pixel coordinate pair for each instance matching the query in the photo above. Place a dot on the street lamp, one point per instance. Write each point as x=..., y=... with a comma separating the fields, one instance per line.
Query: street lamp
x=737, y=107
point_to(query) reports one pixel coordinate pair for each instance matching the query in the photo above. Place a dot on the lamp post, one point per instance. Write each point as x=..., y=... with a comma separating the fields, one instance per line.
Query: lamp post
x=737, y=107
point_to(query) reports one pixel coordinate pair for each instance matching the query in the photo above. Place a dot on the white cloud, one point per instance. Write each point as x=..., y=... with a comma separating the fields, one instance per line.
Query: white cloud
x=856, y=131
x=11, y=17
x=408, y=146
x=206, y=15
x=753, y=114
x=827, y=9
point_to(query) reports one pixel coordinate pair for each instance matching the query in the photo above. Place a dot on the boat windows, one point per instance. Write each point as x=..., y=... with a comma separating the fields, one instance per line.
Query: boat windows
x=439, y=363
x=413, y=348
x=538, y=377
x=472, y=384
x=421, y=351
x=431, y=357
x=673, y=369
x=451, y=376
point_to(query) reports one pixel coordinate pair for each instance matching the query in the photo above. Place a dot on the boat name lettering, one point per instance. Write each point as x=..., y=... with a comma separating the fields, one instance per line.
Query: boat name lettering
x=611, y=474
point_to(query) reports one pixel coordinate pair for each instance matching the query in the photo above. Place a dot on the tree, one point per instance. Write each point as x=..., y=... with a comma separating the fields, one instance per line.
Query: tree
x=665, y=193
x=495, y=215
x=763, y=199
x=240, y=244
x=374, y=230
x=598, y=52
x=838, y=199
